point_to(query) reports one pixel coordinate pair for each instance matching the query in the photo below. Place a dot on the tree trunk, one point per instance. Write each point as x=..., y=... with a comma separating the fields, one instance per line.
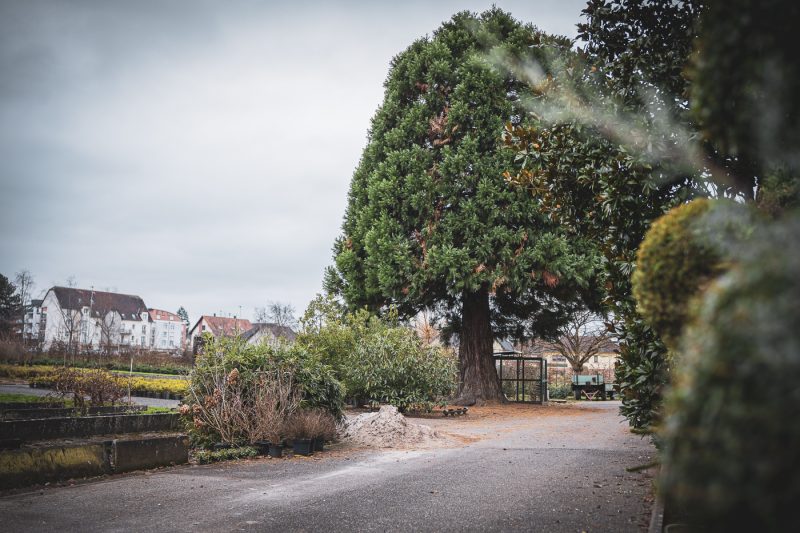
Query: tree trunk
x=479, y=381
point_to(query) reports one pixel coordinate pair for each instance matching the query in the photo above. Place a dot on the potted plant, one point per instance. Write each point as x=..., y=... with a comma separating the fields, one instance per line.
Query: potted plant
x=273, y=436
x=301, y=432
x=322, y=426
x=262, y=446
x=275, y=450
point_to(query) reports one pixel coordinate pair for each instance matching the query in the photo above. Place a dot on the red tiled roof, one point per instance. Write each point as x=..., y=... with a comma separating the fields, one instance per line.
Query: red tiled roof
x=163, y=315
x=224, y=326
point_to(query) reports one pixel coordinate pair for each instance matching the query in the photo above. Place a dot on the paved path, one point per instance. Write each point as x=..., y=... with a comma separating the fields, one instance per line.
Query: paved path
x=17, y=388
x=548, y=470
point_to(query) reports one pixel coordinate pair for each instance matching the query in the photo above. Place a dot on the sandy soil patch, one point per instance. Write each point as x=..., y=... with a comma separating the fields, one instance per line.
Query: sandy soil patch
x=388, y=428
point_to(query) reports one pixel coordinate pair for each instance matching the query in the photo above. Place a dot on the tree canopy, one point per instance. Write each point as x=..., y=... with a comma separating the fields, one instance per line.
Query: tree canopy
x=10, y=306
x=608, y=150
x=430, y=221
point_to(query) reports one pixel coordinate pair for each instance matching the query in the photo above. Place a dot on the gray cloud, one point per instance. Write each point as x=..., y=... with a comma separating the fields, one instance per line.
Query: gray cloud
x=195, y=153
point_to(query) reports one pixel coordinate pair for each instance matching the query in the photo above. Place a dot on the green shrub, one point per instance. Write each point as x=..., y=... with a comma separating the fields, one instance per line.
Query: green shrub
x=731, y=437
x=226, y=400
x=642, y=372
x=683, y=252
x=391, y=365
x=559, y=392
x=100, y=386
x=45, y=376
x=25, y=372
x=207, y=456
x=378, y=359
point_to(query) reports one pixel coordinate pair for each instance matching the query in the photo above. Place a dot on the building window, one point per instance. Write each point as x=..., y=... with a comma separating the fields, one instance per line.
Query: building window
x=596, y=359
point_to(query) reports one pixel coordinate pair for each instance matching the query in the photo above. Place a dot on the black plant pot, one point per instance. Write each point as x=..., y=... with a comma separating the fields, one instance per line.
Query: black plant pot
x=262, y=446
x=303, y=446
x=275, y=450
x=319, y=444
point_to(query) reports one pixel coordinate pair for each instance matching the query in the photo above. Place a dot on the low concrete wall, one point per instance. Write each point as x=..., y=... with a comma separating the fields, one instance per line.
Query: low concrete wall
x=29, y=466
x=30, y=405
x=19, y=468
x=150, y=453
x=57, y=428
x=26, y=414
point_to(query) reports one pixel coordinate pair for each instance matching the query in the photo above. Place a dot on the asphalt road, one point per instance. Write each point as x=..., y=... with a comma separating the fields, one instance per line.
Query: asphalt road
x=550, y=471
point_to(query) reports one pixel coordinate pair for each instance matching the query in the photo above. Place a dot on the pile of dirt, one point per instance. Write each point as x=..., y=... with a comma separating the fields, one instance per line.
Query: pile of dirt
x=388, y=429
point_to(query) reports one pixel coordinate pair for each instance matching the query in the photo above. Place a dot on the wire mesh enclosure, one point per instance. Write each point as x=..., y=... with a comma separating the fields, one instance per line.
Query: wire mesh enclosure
x=523, y=379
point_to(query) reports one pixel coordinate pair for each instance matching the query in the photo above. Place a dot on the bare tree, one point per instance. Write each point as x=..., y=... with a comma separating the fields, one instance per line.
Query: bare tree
x=581, y=339
x=71, y=320
x=277, y=313
x=109, y=322
x=25, y=285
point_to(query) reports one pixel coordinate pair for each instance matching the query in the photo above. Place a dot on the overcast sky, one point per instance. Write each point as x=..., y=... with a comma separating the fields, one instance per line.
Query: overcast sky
x=196, y=153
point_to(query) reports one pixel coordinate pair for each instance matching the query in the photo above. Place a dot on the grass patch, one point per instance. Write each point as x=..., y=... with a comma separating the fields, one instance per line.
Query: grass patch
x=158, y=410
x=13, y=397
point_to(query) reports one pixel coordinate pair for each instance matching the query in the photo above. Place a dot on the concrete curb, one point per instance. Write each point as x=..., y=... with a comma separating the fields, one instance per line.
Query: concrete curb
x=657, y=517
x=19, y=468
x=149, y=453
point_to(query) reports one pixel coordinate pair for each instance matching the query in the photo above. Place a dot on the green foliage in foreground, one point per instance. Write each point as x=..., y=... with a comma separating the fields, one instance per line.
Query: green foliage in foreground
x=746, y=78
x=731, y=437
x=378, y=359
x=682, y=252
x=604, y=166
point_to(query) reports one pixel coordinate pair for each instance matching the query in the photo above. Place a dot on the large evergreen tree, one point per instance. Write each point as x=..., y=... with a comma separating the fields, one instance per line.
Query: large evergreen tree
x=10, y=306
x=430, y=221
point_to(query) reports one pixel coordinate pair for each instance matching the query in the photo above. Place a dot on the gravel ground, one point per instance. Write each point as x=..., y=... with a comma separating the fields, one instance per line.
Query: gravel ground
x=518, y=469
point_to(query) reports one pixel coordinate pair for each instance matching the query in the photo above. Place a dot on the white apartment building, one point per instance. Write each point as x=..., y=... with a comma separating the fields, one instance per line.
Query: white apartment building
x=80, y=318
x=167, y=331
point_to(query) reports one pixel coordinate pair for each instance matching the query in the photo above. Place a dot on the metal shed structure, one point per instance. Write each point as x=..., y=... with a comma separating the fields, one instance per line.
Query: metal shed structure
x=523, y=378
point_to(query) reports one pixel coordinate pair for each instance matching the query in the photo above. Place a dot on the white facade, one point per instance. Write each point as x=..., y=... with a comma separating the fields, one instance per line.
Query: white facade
x=31, y=327
x=90, y=320
x=167, y=331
